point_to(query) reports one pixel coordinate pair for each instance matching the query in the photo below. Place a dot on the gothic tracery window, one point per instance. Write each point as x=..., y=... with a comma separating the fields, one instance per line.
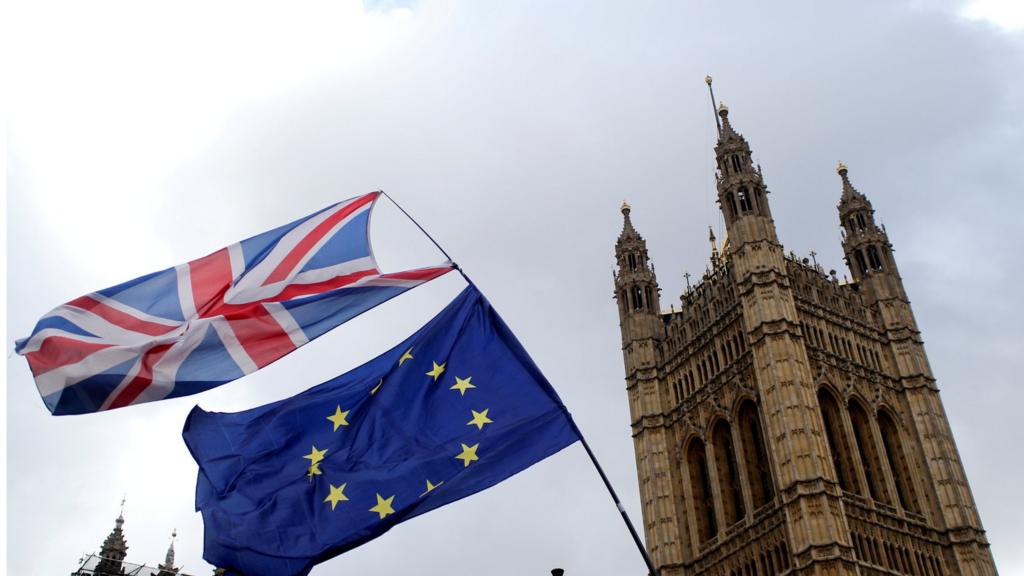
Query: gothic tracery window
x=755, y=457
x=897, y=461
x=868, y=451
x=838, y=442
x=728, y=473
x=700, y=491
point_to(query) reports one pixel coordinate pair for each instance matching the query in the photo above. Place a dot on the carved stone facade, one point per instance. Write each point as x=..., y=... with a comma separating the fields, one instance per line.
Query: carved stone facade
x=785, y=422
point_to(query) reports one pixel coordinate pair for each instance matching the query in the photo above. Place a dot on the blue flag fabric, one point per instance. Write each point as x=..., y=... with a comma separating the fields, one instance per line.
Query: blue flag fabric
x=456, y=408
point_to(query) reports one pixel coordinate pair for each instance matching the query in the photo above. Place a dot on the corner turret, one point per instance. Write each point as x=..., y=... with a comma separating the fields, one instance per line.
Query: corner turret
x=866, y=245
x=636, y=285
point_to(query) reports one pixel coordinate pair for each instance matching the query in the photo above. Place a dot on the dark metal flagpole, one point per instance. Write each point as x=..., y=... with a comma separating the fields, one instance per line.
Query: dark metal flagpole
x=427, y=234
x=618, y=504
x=714, y=109
x=593, y=458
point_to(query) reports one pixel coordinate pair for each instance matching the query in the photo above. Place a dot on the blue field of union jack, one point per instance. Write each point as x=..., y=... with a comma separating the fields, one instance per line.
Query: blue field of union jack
x=201, y=324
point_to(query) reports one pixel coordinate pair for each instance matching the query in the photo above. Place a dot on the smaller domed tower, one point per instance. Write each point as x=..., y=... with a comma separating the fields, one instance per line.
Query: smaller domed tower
x=643, y=336
x=636, y=285
x=742, y=193
x=114, y=549
x=866, y=245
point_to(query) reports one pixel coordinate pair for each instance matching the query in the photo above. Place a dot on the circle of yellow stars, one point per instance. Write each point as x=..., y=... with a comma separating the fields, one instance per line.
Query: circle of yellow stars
x=385, y=505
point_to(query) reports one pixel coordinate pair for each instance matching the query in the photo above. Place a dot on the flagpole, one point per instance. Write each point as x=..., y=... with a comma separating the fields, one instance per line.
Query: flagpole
x=618, y=504
x=593, y=458
x=427, y=234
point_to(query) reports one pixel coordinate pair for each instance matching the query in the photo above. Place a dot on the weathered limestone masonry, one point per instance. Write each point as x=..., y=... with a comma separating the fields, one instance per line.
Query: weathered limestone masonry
x=785, y=422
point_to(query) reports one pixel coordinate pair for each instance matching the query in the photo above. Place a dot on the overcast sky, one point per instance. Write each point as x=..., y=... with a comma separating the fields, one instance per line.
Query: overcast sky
x=140, y=138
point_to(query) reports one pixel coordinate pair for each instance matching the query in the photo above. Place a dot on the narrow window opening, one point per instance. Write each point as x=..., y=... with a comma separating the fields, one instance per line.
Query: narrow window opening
x=744, y=195
x=728, y=477
x=861, y=264
x=873, y=258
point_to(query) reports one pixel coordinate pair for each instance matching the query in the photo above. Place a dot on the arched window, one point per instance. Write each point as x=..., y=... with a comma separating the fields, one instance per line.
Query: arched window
x=868, y=451
x=859, y=261
x=728, y=473
x=638, y=298
x=755, y=457
x=700, y=491
x=744, y=195
x=860, y=221
x=874, y=259
x=650, y=300
x=897, y=461
x=632, y=261
x=732, y=203
x=735, y=163
x=838, y=442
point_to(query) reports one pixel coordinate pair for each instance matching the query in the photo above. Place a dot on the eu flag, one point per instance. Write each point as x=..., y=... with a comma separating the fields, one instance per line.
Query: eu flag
x=456, y=408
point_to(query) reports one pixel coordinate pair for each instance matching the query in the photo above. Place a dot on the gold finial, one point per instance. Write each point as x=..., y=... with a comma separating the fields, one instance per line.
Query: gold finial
x=708, y=79
x=841, y=168
x=625, y=207
x=722, y=108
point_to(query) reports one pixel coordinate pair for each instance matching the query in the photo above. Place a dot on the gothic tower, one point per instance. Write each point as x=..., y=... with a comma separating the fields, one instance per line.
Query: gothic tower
x=113, y=551
x=784, y=421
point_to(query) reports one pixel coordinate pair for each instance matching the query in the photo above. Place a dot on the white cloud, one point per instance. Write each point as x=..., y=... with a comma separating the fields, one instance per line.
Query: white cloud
x=1006, y=14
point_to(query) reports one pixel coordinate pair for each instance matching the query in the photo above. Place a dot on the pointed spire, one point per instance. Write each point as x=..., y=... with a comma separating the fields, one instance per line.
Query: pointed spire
x=627, y=225
x=850, y=194
x=727, y=132
x=714, y=247
x=169, y=558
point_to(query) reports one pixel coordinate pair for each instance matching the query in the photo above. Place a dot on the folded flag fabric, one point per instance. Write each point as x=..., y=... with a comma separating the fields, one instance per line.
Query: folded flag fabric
x=201, y=324
x=454, y=409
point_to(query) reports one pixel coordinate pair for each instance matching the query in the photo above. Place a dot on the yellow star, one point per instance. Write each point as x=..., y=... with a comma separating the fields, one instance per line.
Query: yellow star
x=337, y=495
x=339, y=418
x=406, y=356
x=437, y=371
x=462, y=384
x=315, y=456
x=314, y=470
x=468, y=454
x=431, y=487
x=479, y=419
x=377, y=387
x=383, y=506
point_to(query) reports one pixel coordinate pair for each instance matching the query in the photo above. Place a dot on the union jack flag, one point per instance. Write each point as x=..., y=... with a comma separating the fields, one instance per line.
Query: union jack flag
x=201, y=324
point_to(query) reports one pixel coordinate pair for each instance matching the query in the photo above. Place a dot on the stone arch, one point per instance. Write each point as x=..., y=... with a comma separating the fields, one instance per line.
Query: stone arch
x=755, y=454
x=838, y=440
x=729, y=482
x=867, y=448
x=704, y=521
x=892, y=441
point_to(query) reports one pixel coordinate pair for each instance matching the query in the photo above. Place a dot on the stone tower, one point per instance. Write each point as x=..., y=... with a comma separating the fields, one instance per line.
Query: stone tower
x=784, y=421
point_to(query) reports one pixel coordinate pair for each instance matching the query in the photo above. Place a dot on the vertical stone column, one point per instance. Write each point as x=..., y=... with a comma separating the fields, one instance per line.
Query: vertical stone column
x=819, y=536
